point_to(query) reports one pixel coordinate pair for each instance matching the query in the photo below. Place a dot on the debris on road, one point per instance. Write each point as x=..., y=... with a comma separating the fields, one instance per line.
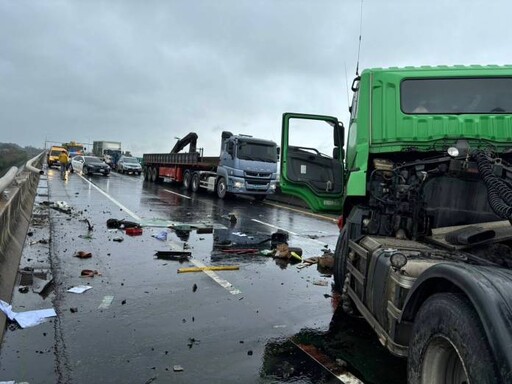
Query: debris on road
x=326, y=260
x=83, y=255
x=211, y=268
x=173, y=255
x=134, y=231
x=117, y=239
x=61, y=206
x=194, y=288
x=79, y=289
x=322, y=283
x=90, y=227
x=121, y=224
x=160, y=236
x=89, y=273
x=29, y=318
x=177, y=368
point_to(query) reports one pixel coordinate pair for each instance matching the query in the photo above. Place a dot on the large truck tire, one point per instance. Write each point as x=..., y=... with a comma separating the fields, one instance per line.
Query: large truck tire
x=154, y=172
x=146, y=173
x=448, y=344
x=186, y=180
x=222, y=188
x=195, y=182
x=340, y=259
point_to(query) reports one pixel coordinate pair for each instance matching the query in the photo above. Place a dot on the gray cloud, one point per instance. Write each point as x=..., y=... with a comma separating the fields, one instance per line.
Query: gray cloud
x=144, y=72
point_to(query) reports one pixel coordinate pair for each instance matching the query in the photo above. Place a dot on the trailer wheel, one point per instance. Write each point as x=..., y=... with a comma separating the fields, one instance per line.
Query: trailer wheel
x=222, y=188
x=146, y=173
x=340, y=259
x=153, y=174
x=195, y=182
x=186, y=180
x=448, y=344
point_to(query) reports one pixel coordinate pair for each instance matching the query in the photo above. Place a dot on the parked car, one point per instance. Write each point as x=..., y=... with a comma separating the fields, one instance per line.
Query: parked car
x=128, y=164
x=89, y=164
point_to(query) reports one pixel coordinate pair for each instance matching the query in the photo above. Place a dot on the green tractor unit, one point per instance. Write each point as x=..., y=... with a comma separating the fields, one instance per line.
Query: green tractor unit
x=423, y=183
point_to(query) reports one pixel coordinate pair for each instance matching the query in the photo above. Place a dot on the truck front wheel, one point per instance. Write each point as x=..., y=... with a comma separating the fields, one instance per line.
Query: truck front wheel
x=222, y=188
x=448, y=344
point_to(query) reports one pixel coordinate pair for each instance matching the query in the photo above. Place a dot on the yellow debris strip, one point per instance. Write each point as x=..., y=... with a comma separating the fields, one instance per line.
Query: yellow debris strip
x=214, y=268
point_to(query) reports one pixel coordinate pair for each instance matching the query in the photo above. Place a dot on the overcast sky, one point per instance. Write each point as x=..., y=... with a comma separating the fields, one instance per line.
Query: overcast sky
x=144, y=72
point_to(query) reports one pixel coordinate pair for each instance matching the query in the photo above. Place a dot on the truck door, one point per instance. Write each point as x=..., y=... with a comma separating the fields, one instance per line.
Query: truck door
x=307, y=171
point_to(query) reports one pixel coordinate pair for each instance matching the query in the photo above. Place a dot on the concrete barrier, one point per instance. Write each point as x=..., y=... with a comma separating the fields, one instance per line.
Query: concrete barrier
x=16, y=202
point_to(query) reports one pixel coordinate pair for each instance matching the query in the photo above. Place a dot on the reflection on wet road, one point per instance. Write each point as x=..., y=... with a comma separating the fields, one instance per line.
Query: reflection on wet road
x=143, y=322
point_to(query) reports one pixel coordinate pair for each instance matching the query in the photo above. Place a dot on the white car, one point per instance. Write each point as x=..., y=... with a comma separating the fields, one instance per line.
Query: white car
x=128, y=164
x=89, y=164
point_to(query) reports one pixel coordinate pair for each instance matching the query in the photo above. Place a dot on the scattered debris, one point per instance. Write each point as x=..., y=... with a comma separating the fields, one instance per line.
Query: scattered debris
x=326, y=260
x=249, y=353
x=177, y=368
x=61, y=206
x=241, y=251
x=28, y=318
x=79, y=289
x=23, y=289
x=173, y=255
x=83, y=255
x=211, y=268
x=322, y=283
x=118, y=239
x=194, y=288
x=89, y=273
x=121, y=224
x=134, y=231
x=192, y=341
x=161, y=236
x=90, y=227
x=40, y=241
x=73, y=309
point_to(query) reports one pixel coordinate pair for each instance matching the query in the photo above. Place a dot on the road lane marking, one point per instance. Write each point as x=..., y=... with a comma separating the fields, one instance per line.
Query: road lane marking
x=133, y=215
x=318, y=216
x=219, y=280
x=105, y=303
x=287, y=231
x=178, y=194
x=222, y=282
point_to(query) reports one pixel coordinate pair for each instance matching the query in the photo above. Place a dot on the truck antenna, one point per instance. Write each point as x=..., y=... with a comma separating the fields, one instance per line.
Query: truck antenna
x=360, y=34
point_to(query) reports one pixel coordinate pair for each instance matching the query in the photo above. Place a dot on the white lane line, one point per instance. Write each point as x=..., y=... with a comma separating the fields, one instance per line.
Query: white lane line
x=133, y=215
x=302, y=212
x=219, y=280
x=105, y=303
x=290, y=232
x=178, y=194
x=223, y=283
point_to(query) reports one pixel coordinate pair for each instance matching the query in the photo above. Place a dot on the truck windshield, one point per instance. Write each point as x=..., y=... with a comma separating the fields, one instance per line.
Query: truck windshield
x=257, y=151
x=457, y=96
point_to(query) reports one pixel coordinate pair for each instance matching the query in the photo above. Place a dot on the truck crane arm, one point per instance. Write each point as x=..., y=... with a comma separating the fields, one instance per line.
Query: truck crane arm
x=190, y=138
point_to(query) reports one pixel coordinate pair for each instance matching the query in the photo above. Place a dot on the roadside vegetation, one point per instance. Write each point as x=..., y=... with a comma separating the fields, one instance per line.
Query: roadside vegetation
x=14, y=155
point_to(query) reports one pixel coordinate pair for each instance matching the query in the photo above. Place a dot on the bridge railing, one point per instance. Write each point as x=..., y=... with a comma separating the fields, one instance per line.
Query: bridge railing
x=18, y=189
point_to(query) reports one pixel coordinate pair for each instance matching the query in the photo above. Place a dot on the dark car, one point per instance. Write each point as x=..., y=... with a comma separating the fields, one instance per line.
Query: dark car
x=89, y=164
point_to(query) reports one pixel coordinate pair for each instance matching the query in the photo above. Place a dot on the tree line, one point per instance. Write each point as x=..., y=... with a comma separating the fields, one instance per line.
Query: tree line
x=14, y=155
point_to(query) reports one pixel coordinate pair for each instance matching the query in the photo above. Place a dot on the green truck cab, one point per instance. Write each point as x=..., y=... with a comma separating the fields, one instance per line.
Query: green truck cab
x=423, y=183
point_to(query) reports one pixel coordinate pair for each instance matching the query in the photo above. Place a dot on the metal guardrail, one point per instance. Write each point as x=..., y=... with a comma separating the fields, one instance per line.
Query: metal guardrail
x=32, y=161
x=8, y=178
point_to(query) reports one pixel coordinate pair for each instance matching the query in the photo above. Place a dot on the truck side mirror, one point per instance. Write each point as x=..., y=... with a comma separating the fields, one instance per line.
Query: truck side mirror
x=339, y=135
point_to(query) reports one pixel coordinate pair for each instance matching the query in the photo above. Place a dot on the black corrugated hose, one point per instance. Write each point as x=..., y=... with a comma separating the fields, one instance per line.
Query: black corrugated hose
x=499, y=192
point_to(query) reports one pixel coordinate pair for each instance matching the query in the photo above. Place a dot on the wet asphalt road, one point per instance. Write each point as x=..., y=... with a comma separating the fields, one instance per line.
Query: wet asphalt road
x=141, y=318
